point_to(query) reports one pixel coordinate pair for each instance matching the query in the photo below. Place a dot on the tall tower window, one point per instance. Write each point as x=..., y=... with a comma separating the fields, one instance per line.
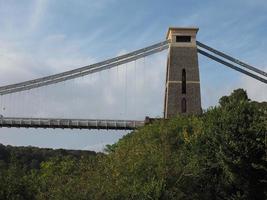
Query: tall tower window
x=183, y=82
x=183, y=105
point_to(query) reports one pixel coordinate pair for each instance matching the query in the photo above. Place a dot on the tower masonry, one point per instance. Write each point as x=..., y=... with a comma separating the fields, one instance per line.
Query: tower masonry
x=182, y=93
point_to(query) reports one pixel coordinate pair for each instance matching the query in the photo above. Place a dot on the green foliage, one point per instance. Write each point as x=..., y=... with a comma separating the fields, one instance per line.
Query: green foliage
x=152, y=161
x=14, y=183
x=218, y=155
x=29, y=172
x=240, y=128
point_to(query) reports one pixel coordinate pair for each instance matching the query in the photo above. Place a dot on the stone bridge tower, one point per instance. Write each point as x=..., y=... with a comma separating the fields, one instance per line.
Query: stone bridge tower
x=182, y=94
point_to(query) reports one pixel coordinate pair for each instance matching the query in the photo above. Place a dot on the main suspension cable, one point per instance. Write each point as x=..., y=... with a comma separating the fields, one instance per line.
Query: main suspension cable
x=232, y=66
x=232, y=59
x=22, y=86
x=88, y=67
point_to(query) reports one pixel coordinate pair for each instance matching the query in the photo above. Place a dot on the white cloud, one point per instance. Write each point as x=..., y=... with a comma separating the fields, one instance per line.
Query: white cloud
x=256, y=90
x=37, y=14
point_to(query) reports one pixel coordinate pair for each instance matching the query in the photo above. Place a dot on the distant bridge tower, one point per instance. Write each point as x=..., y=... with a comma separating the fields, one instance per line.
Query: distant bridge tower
x=182, y=94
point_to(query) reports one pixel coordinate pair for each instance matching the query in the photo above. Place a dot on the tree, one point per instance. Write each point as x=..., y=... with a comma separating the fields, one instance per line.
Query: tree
x=239, y=127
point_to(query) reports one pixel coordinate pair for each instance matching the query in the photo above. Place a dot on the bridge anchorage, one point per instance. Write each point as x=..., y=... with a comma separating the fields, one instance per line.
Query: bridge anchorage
x=182, y=91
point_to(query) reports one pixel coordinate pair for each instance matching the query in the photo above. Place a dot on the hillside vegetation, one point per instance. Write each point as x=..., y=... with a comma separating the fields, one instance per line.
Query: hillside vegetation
x=218, y=155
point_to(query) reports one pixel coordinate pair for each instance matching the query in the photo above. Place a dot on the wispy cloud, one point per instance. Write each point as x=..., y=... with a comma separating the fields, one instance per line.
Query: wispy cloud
x=37, y=14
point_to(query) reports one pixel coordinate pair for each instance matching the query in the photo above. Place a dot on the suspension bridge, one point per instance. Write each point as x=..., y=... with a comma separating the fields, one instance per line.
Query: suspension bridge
x=182, y=91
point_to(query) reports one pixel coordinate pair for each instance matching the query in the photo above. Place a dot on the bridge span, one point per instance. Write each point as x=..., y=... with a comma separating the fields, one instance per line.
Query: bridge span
x=182, y=86
x=61, y=123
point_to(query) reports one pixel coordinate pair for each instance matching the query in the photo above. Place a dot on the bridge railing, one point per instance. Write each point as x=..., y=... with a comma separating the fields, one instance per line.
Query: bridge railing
x=70, y=123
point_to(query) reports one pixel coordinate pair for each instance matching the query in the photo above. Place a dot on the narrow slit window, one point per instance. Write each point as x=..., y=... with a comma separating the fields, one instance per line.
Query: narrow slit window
x=183, y=38
x=183, y=81
x=183, y=105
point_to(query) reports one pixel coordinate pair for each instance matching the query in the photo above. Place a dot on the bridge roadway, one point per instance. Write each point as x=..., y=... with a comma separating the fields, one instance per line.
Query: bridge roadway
x=70, y=123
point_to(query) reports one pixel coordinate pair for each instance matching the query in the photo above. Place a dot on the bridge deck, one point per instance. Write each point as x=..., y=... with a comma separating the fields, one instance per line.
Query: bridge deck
x=70, y=123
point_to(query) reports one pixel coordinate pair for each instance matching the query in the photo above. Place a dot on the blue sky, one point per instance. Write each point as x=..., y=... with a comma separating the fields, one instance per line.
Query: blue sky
x=43, y=37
